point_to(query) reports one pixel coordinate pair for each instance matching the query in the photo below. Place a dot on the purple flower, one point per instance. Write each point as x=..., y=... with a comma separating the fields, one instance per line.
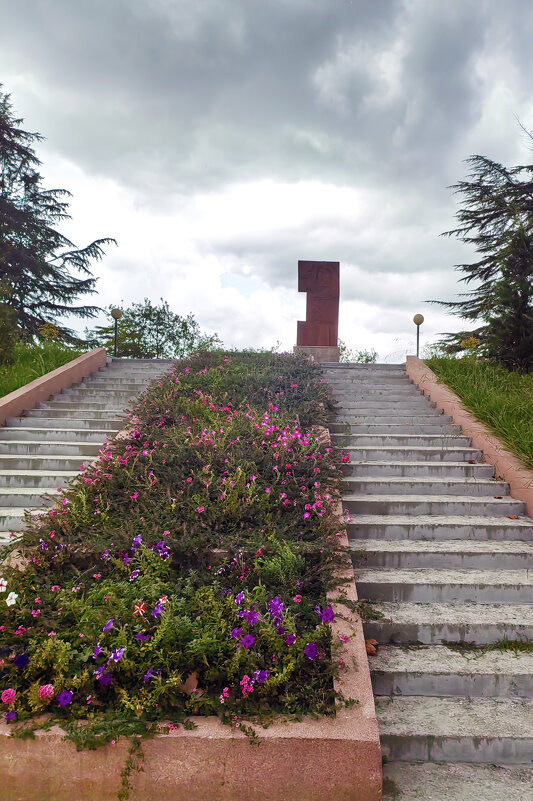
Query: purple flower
x=134, y=575
x=239, y=598
x=105, y=554
x=105, y=679
x=109, y=625
x=327, y=614
x=148, y=675
x=22, y=660
x=143, y=637
x=64, y=698
x=260, y=676
x=11, y=715
x=117, y=655
x=236, y=633
x=126, y=558
x=280, y=630
x=136, y=542
x=247, y=641
x=158, y=610
x=97, y=651
x=311, y=651
x=252, y=616
x=163, y=550
x=275, y=607
x=290, y=639
x=43, y=545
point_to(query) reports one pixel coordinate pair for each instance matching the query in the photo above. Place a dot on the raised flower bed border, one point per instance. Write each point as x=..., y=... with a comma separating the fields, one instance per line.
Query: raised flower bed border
x=337, y=758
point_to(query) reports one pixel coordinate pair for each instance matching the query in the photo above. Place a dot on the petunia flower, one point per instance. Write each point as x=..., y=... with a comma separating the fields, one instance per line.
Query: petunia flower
x=239, y=598
x=236, y=633
x=134, y=575
x=311, y=650
x=46, y=692
x=21, y=661
x=158, y=610
x=139, y=609
x=8, y=696
x=117, y=655
x=97, y=651
x=143, y=637
x=327, y=614
x=3, y=584
x=64, y=698
x=11, y=599
x=290, y=639
x=260, y=676
x=11, y=715
x=148, y=675
x=247, y=641
x=109, y=625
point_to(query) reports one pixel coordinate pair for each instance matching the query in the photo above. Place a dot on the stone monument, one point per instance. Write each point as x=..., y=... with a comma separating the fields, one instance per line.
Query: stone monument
x=318, y=334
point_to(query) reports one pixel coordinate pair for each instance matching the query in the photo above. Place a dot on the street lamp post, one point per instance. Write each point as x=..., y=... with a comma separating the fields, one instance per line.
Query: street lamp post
x=418, y=319
x=116, y=314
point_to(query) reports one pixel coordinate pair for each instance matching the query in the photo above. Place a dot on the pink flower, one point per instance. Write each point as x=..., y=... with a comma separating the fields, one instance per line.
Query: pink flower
x=46, y=691
x=55, y=588
x=8, y=696
x=189, y=480
x=97, y=575
x=35, y=612
x=134, y=496
x=200, y=509
x=297, y=599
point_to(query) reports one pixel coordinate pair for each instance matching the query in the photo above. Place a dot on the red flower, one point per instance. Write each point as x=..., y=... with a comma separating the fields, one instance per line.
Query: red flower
x=139, y=609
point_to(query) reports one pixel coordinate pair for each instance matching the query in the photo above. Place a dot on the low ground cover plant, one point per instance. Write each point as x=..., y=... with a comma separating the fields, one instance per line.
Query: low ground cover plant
x=31, y=361
x=501, y=399
x=186, y=571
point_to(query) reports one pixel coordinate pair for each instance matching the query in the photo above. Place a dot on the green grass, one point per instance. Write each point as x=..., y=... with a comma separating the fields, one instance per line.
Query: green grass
x=500, y=399
x=33, y=361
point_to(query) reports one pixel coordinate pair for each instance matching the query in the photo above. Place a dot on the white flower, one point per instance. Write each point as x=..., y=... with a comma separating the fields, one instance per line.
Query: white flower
x=11, y=598
x=3, y=584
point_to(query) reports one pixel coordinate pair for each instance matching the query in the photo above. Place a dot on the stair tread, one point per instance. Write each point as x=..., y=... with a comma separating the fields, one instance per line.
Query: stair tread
x=424, y=575
x=461, y=613
x=463, y=717
x=439, y=520
x=41, y=473
x=456, y=781
x=442, y=546
x=439, y=659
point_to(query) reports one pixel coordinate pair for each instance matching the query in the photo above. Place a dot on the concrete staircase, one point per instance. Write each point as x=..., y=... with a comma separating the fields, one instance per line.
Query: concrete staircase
x=44, y=449
x=445, y=555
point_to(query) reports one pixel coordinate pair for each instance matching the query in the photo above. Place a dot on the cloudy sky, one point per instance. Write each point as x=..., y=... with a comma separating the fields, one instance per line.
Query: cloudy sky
x=219, y=141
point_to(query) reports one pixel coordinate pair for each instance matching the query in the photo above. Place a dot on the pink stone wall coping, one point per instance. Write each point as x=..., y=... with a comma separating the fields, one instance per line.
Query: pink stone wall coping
x=508, y=466
x=40, y=390
x=327, y=759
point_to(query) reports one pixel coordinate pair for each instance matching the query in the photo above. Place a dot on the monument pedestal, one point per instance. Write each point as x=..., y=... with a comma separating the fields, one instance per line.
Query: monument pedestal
x=320, y=353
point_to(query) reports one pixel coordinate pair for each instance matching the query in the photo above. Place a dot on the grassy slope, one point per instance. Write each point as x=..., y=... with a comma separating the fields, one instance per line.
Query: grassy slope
x=500, y=399
x=33, y=361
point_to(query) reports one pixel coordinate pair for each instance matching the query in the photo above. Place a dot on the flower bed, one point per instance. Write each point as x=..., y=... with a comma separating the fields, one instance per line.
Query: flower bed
x=186, y=572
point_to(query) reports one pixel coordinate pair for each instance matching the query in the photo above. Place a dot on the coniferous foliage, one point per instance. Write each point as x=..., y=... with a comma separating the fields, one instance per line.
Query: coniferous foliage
x=146, y=331
x=497, y=218
x=42, y=273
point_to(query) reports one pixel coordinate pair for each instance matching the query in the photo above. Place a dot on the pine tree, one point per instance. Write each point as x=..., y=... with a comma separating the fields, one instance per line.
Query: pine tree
x=42, y=273
x=148, y=331
x=497, y=219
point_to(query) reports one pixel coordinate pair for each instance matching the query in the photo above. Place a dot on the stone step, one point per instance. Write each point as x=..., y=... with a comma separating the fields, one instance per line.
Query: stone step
x=440, y=527
x=430, y=585
x=403, y=453
x=442, y=671
x=417, y=403
x=444, y=441
x=443, y=554
x=382, y=469
x=12, y=518
x=486, y=730
x=41, y=447
x=439, y=624
x=62, y=404
x=39, y=434
x=105, y=423
x=358, y=394
x=449, y=781
x=52, y=461
x=387, y=417
x=73, y=412
x=109, y=396
x=432, y=505
x=437, y=427
x=36, y=478
x=112, y=383
x=434, y=485
x=27, y=497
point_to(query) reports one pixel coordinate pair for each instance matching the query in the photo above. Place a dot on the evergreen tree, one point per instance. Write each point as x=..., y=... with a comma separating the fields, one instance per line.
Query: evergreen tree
x=42, y=273
x=146, y=331
x=497, y=219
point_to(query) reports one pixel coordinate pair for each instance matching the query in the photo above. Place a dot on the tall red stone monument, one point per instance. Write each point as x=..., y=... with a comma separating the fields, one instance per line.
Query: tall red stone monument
x=318, y=335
